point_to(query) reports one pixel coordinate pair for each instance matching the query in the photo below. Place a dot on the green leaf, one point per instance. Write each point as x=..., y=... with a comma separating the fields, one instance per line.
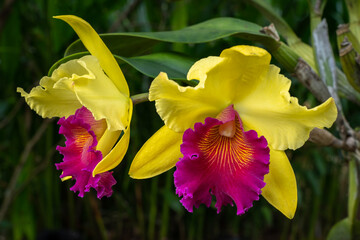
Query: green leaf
x=341, y=230
x=353, y=7
x=124, y=45
x=179, y=20
x=131, y=44
x=175, y=65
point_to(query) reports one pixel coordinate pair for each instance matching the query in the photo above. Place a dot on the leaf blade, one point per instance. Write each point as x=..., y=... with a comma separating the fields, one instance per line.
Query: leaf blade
x=124, y=43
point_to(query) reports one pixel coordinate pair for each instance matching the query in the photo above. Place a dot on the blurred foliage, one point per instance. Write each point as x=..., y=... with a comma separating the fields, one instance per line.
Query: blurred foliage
x=44, y=208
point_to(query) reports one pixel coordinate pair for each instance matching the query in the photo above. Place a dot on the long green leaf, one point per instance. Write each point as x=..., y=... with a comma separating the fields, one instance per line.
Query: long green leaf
x=175, y=65
x=126, y=45
x=131, y=44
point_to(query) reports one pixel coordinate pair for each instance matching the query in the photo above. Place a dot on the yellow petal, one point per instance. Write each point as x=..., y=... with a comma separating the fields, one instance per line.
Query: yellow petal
x=270, y=110
x=221, y=80
x=160, y=153
x=200, y=69
x=181, y=107
x=107, y=141
x=54, y=97
x=280, y=189
x=101, y=97
x=97, y=48
x=236, y=75
x=116, y=155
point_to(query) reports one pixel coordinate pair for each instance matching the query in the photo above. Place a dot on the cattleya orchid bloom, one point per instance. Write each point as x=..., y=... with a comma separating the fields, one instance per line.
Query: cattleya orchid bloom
x=91, y=96
x=230, y=132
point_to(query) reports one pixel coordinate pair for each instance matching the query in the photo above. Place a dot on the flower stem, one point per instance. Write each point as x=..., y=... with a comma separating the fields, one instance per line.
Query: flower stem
x=139, y=98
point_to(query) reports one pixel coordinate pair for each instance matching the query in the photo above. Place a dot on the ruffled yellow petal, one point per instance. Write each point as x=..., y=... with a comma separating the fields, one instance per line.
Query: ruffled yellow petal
x=160, y=153
x=97, y=48
x=180, y=107
x=200, y=69
x=220, y=80
x=101, y=97
x=55, y=97
x=233, y=74
x=76, y=83
x=280, y=189
x=116, y=155
x=272, y=112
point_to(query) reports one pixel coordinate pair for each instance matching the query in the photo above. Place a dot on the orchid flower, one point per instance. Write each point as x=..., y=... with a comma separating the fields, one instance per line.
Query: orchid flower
x=91, y=96
x=227, y=135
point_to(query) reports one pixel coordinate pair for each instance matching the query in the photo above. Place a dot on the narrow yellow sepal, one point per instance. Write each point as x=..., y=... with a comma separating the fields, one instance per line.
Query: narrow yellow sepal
x=107, y=141
x=97, y=48
x=160, y=153
x=280, y=189
x=116, y=155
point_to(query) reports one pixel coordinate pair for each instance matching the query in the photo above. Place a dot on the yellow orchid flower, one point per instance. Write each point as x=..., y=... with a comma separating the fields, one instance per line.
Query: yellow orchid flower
x=213, y=129
x=91, y=96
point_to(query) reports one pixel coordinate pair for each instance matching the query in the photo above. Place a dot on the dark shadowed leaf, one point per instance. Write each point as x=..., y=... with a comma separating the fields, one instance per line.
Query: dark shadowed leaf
x=175, y=65
x=131, y=44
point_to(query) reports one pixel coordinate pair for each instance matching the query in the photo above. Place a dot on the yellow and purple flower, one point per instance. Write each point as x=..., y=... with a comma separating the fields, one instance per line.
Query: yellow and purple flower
x=230, y=132
x=91, y=96
x=81, y=131
x=222, y=159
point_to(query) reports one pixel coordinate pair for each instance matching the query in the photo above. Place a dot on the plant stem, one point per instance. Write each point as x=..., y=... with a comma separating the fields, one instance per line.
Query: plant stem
x=139, y=98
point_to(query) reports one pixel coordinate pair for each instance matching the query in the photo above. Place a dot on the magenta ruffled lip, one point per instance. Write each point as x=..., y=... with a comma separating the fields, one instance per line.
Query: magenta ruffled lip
x=80, y=155
x=230, y=168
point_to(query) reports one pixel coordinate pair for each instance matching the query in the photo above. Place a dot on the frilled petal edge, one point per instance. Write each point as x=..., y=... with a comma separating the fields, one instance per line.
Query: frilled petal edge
x=80, y=157
x=230, y=166
x=180, y=107
x=272, y=112
x=220, y=81
x=55, y=97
